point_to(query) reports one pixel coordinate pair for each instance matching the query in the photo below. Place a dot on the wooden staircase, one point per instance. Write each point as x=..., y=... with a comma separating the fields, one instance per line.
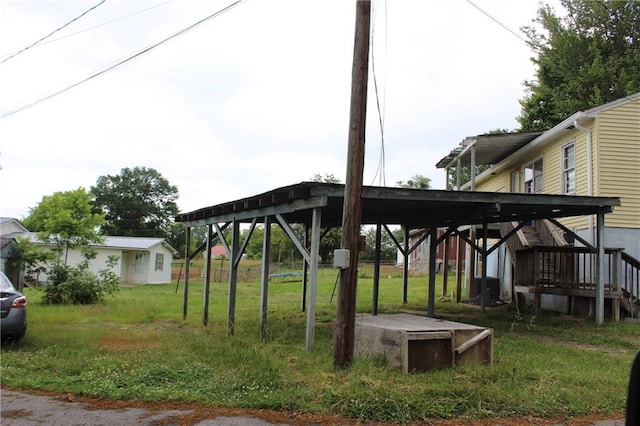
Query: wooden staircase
x=562, y=267
x=530, y=236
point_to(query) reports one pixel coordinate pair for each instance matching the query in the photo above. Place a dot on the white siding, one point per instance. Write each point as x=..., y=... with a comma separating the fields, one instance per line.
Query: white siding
x=619, y=163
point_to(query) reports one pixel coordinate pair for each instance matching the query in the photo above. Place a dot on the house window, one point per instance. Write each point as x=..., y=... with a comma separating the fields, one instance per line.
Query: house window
x=533, y=181
x=569, y=168
x=159, y=261
x=515, y=182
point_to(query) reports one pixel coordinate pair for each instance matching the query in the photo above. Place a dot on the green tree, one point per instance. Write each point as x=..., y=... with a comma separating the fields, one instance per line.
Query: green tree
x=588, y=57
x=416, y=181
x=137, y=202
x=281, y=245
x=327, y=178
x=465, y=174
x=388, y=249
x=175, y=236
x=66, y=220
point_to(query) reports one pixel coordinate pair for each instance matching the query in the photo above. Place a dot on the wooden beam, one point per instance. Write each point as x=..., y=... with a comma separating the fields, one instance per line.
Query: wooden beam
x=266, y=255
x=433, y=250
x=207, y=277
x=185, y=295
x=233, y=278
x=600, y=269
x=313, y=284
x=376, y=270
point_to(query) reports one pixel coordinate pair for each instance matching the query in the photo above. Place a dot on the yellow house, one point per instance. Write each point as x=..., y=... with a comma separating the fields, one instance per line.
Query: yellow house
x=591, y=153
x=594, y=152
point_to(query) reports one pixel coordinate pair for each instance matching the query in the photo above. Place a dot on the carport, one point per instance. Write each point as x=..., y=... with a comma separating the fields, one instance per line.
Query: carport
x=319, y=206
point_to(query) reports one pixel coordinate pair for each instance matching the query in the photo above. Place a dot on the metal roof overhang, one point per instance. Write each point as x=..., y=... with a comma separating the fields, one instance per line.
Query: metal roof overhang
x=414, y=208
x=490, y=149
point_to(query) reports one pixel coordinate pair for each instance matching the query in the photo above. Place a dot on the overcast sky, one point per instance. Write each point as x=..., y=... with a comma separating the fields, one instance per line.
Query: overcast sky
x=251, y=100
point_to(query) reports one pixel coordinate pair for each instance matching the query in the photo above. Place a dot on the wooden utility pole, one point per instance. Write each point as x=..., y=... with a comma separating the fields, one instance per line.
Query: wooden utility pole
x=344, y=328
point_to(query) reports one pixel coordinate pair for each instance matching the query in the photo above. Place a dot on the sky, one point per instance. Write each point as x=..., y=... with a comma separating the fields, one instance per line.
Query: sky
x=253, y=99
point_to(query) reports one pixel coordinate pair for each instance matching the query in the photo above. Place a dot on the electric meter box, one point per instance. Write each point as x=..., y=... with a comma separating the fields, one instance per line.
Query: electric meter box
x=341, y=258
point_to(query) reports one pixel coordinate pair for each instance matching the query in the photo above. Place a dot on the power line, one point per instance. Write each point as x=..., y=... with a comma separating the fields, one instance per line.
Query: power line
x=380, y=171
x=123, y=61
x=52, y=33
x=496, y=20
x=101, y=25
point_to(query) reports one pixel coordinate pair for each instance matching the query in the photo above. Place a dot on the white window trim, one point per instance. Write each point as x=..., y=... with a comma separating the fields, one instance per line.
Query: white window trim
x=524, y=176
x=516, y=178
x=159, y=259
x=563, y=170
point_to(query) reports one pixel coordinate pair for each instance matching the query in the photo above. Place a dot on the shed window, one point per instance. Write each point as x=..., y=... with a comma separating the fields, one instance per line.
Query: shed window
x=159, y=261
x=569, y=168
x=533, y=179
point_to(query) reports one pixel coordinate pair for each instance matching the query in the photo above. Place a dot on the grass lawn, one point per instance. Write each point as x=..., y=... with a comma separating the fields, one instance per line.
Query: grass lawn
x=136, y=345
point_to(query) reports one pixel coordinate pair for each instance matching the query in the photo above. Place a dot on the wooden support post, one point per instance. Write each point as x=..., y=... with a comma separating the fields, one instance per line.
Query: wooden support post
x=483, y=285
x=185, y=295
x=445, y=268
x=376, y=270
x=405, y=266
x=344, y=330
x=471, y=261
x=233, y=277
x=433, y=251
x=207, y=276
x=305, y=270
x=616, y=281
x=459, y=270
x=600, y=270
x=266, y=255
x=536, y=274
x=473, y=166
x=314, y=258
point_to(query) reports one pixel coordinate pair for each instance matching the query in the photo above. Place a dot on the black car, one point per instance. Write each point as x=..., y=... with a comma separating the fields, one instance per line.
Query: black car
x=13, y=318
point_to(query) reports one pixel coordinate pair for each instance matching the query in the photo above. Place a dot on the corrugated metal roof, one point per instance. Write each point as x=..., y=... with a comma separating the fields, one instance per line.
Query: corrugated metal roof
x=140, y=243
x=124, y=243
x=490, y=149
x=414, y=208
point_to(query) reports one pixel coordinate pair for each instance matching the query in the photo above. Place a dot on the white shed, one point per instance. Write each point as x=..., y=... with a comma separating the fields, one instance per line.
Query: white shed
x=141, y=260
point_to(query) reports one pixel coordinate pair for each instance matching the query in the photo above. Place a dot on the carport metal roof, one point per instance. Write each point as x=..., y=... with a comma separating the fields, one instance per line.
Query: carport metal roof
x=320, y=205
x=489, y=149
x=414, y=208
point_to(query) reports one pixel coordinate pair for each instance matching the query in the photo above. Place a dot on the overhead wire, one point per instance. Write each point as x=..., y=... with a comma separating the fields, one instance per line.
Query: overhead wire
x=123, y=61
x=497, y=21
x=380, y=171
x=53, y=32
x=44, y=43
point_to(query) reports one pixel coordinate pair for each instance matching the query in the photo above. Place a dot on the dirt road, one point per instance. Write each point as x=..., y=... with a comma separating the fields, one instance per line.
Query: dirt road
x=25, y=409
x=18, y=408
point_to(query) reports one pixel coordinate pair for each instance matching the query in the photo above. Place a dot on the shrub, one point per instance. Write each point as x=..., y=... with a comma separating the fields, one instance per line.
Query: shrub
x=78, y=285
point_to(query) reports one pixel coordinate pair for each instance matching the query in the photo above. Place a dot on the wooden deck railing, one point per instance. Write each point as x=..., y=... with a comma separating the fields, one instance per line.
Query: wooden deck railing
x=571, y=268
x=550, y=235
x=630, y=280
